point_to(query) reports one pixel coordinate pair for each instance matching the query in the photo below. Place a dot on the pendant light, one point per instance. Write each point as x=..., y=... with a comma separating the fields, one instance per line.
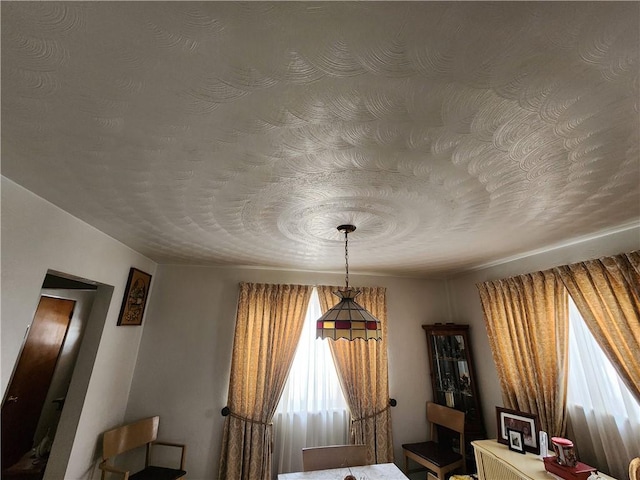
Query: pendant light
x=348, y=319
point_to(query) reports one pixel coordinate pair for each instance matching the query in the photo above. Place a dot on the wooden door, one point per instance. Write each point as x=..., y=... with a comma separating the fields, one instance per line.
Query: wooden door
x=30, y=382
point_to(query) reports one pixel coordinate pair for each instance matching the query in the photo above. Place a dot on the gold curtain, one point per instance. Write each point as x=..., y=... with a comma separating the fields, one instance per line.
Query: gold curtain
x=363, y=373
x=607, y=293
x=268, y=326
x=527, y=322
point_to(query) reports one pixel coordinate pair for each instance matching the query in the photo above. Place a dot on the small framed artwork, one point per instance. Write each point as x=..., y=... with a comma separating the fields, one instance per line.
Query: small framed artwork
x=135, y=298
x=526, y=423
x=515, y=440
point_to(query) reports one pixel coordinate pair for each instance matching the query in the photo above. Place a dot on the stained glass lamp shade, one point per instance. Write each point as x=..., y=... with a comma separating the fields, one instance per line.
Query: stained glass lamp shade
x=348, y=319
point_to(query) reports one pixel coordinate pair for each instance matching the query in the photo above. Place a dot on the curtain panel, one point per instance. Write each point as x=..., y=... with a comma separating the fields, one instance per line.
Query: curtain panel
x=607, y=294
x=363, y=372
x=602, y=415
x=269, y=321
x=527, y=323
x=312, y=410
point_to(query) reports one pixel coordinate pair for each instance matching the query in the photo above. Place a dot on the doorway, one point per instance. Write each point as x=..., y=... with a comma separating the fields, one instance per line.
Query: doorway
x=37, y=391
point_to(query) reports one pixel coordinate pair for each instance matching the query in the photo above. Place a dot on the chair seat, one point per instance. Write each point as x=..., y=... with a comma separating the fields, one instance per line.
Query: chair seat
x=158, y=473
x=434, y=453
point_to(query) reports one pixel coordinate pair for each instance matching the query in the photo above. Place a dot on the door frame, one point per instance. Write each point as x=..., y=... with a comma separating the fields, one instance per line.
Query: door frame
x=72, y=410
x=70, y=415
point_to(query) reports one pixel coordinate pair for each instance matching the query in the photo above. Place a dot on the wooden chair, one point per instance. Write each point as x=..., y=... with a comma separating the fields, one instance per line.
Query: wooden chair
x=437, y=458
x=334, y=456
x=129, y=437
x=634, y=469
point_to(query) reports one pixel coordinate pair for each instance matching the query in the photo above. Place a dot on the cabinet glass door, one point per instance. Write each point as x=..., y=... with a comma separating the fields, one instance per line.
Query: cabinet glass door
x=453, y=381
x=452, y=376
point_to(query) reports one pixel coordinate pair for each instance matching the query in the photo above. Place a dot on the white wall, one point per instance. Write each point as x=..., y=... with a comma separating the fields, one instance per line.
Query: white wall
x=38, y=236
x=465, y=301
x=184, y=362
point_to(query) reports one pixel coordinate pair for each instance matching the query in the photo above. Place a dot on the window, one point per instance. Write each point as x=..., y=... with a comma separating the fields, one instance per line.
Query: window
x=600, y=406
x=312, y=411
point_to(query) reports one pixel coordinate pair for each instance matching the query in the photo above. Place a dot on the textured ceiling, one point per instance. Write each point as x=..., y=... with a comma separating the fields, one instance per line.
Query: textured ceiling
x=451, y=134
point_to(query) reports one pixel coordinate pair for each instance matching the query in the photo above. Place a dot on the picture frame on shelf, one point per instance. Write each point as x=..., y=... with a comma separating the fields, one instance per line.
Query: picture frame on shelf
x=515, y=439
x=527, y=423
x=135, y=298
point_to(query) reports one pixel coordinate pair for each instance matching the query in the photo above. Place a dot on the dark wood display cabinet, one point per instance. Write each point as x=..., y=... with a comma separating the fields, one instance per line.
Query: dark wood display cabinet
x=453, y=378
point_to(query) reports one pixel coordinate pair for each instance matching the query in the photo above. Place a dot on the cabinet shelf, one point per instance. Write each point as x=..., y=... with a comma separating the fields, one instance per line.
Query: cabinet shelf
x=456, y=392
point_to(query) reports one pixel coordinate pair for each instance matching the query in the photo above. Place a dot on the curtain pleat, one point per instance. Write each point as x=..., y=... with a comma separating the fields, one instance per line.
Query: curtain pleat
x=607, y=294
x=362, y=368
x=268, y=325
x=527, y=323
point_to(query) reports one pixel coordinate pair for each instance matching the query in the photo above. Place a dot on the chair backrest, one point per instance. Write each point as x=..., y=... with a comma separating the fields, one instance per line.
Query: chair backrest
x=634, y=469
x=334, y=456
x=446, y=417
x=129, y=436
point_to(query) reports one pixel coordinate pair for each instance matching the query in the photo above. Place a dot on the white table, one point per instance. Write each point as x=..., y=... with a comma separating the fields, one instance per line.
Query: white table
x=382, y=471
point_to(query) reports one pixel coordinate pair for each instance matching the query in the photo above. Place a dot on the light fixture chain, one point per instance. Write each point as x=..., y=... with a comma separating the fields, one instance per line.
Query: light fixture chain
x=355, y=322
x=346, y=256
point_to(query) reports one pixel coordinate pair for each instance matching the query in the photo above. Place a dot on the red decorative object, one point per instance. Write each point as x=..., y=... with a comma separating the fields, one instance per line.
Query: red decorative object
x=565, y=454
x=580, y=472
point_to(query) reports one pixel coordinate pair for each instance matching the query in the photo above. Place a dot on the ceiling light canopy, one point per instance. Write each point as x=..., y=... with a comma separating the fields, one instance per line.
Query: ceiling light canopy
x=348, y=319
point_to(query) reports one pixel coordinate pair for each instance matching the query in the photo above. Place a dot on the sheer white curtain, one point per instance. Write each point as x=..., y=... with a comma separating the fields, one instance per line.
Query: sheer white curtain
x=312, y=411
x=604, y=417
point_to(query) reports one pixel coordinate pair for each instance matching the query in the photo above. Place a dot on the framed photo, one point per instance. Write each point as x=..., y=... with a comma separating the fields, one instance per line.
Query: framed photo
x=526, y=423
x=135, y=298
x=515, y=440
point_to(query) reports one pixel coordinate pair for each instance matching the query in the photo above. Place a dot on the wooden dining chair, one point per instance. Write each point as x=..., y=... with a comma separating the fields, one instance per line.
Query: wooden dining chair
x=438, y=458
x=142, y=433
x=333, y=456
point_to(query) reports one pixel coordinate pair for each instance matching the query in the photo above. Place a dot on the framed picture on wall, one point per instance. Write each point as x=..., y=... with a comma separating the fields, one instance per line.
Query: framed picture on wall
x=526, y=423
x=135, y=298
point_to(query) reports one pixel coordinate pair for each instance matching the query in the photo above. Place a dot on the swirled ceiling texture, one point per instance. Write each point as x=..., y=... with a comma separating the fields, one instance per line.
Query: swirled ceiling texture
x=229, y=133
